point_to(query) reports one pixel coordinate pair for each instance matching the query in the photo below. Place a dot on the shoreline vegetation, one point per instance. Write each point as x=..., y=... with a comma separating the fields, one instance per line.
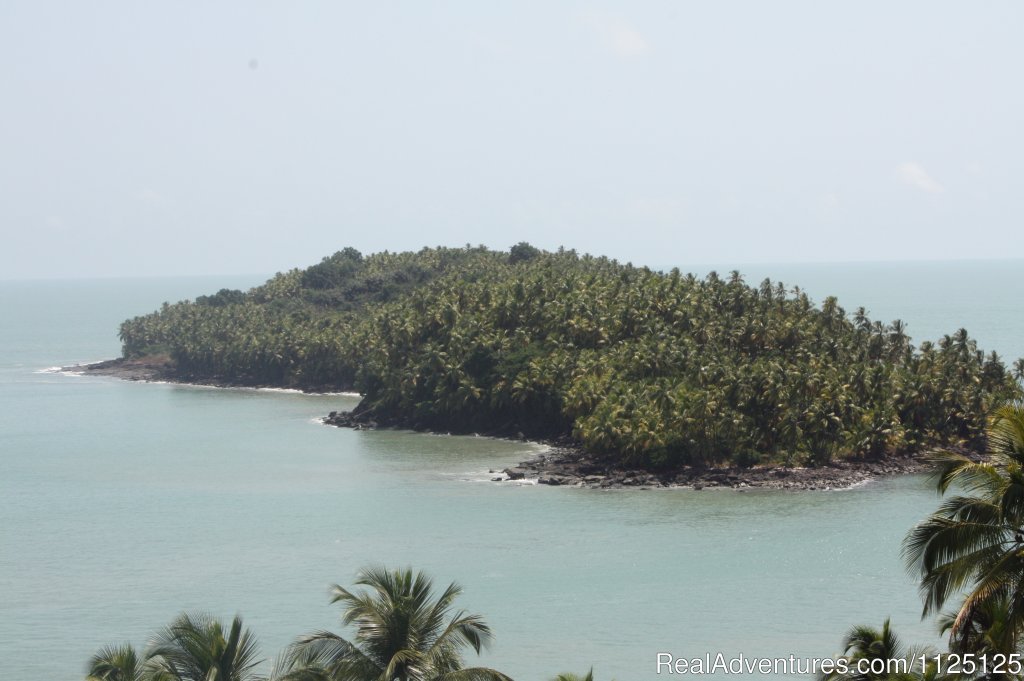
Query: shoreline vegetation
x=565, y=463
x=640, y=373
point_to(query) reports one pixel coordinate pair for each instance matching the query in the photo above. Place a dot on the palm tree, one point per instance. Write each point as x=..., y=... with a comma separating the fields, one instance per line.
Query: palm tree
x=402, y=633
x=569, y=676
x=988, y=633
x=893, y=661
x=196, y=647
x=462, y=340
x=975, y=541
x=122, y=663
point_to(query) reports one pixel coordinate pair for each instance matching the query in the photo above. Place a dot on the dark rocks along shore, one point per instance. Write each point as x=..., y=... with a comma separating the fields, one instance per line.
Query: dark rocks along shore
x=566, y=464
x=563, y=466
x=155, y=368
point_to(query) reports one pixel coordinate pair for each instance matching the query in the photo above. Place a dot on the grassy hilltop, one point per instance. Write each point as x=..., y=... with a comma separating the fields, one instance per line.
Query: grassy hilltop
x=657, y=369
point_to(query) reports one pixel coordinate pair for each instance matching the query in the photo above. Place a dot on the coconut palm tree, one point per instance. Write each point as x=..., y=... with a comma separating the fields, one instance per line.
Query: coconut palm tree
x=123, y=663
x=988, y=633
x=462, y=340
x=402, y=633
x=975, y=541
x=196, y=647
x=893, y=661
x=569, y=676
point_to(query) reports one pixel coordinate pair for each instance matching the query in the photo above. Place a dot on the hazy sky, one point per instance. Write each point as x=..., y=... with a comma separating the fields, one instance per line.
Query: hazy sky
x=202, y=138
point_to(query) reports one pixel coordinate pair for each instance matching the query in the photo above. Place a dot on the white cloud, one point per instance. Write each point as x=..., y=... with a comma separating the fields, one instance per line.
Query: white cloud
x=914, y=174
x=617, y=35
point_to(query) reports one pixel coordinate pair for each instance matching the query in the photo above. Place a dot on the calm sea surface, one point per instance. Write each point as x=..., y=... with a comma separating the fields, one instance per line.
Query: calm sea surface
x=122, y=504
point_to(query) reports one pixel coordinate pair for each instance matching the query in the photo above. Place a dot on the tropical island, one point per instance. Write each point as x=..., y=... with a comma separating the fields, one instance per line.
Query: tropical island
x=639, y=375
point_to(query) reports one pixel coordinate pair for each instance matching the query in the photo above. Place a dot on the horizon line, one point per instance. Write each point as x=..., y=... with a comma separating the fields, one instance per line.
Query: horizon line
x=714, y=265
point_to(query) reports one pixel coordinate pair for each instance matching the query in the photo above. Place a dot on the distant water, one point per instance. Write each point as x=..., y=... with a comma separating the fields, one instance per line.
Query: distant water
x=122, y=504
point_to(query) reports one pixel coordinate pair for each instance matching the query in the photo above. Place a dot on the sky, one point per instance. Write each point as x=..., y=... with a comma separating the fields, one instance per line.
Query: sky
x=160, y=138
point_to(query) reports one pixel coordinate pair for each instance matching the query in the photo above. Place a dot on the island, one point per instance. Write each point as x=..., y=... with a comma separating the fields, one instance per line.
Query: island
x=636, y=376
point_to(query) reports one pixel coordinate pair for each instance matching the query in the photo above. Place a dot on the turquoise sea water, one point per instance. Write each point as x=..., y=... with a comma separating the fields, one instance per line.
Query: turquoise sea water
x=123, y=503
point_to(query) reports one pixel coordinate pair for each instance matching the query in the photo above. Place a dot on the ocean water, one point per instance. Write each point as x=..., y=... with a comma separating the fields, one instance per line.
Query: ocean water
x=122, y=504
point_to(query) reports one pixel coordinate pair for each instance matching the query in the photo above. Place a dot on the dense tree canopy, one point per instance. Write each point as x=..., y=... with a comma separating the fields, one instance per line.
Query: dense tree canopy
x=660, y=369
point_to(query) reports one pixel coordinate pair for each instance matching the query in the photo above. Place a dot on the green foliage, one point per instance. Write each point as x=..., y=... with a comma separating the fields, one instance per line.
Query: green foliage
x=121, y=663
x=659, y=369
x=867, y=648
x=974, y=543
x=333, y=272
x=970, y=549
x=223, y=297
x=403, y=632
x=523, y=251
x=195, y=647
x=569, y=676
x=990, y=629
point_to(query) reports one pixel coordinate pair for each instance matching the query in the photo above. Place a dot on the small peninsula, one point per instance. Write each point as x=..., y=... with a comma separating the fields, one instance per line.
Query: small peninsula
x=629, y=370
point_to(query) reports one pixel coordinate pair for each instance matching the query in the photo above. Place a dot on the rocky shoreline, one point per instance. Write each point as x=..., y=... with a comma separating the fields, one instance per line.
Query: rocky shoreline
x=161, y=368
x=563, y=466
x=158, y=368
x=566, y=464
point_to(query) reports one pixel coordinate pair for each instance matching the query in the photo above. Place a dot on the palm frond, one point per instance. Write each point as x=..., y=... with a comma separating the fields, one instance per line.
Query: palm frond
x=402, y=631
x=482, y=674
x=115, y=663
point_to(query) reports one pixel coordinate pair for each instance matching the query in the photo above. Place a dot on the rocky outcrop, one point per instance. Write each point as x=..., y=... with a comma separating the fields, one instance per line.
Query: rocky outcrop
x=565, y=464
x=152, y=368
